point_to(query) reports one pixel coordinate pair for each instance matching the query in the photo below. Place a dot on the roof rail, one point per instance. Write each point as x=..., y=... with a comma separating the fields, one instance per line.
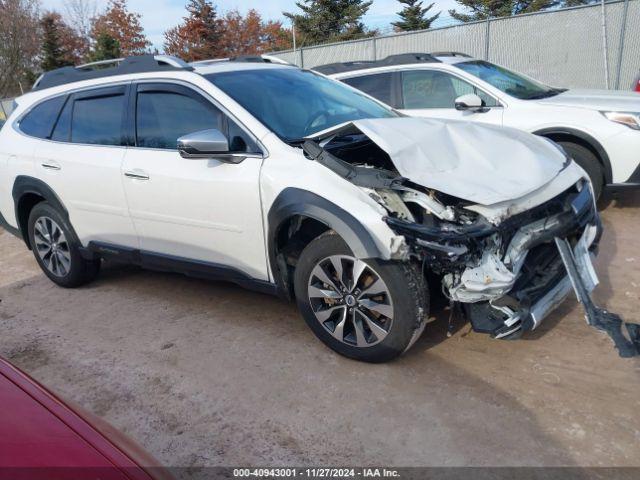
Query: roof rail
x=451, y=54
x=100, y=64
x=139, y=64
x=243, y=59
x=400, y=59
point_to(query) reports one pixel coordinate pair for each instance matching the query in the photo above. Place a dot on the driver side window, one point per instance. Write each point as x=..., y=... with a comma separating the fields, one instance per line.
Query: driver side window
x=164, y=114
x=422, y=89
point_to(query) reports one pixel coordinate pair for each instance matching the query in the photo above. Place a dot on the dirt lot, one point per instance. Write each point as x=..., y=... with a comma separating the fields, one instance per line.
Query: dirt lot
x=209, y=374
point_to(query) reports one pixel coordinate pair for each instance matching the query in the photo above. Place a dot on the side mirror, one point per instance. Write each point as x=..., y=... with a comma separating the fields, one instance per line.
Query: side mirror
x=208, y=144
x=470, y=102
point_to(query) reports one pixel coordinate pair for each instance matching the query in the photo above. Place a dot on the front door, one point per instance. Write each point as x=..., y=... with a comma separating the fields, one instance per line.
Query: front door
x=432, y=94
x=204, y=210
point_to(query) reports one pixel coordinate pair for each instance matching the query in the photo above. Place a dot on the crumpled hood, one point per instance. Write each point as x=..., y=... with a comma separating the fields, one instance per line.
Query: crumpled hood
x=615, y=100
x=480, y=163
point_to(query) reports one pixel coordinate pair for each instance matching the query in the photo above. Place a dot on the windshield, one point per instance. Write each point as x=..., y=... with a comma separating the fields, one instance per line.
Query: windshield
x=296, y=103
x=507, y=81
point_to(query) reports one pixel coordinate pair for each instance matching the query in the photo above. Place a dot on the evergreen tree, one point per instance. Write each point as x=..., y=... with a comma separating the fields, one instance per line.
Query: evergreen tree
x=52, y=55
x=199, y=35
x=414, y=16
x=330, y=20
x=61, y=45
x=483, y=9
x=105, y=48
x=123, y=26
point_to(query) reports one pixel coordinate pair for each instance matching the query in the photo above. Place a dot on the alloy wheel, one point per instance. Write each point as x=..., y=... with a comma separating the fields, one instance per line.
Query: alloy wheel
x=350, y=300
x=52, y=246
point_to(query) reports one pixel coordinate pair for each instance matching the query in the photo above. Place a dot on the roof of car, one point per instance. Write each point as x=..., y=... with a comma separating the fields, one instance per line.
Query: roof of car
x=150, y=64
x=226, y=66
x=123, y=66
x=393, y=60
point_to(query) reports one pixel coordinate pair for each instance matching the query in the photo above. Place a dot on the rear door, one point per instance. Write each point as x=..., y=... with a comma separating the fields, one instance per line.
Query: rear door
x=381, y=86
x=81, y=160
x=197, y=209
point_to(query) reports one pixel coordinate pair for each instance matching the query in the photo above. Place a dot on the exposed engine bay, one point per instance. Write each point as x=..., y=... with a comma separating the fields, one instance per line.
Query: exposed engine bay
x=504, y=269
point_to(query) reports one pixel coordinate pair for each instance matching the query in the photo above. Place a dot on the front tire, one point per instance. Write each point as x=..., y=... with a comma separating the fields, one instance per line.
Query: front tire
x=56, y=249
x=589, y=162
x=369, y=310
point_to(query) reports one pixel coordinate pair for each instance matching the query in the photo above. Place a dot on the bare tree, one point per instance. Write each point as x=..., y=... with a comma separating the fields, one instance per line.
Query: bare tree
x=80, y=15
x=19, y=45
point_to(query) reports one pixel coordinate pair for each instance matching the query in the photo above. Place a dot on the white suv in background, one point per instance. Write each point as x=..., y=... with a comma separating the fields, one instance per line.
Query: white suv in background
x=290, y=183
x=599, y=129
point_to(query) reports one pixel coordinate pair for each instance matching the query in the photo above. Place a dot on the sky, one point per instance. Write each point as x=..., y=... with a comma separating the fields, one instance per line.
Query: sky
x=159, y=15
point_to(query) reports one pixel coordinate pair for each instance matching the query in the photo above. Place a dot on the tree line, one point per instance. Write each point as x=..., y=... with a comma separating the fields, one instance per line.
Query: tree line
x=33, y=41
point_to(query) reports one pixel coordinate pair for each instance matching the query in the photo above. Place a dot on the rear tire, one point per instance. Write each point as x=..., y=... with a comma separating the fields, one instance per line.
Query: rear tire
x=373, y=312
x=56, y=249
x=589, y=162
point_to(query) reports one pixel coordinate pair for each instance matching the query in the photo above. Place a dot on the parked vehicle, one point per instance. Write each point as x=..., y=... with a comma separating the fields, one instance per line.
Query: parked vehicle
x=599, y=129
x=636, y=84
x=44, y=437
x=287, y=182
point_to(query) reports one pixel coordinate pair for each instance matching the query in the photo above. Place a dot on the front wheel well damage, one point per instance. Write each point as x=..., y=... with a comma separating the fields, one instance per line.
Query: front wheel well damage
x=298, y=216
x=23, y=210
x=291, y=238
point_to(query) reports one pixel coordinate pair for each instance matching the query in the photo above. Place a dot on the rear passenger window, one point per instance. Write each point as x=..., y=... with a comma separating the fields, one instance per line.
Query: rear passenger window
x=98, y=120
x=39, y=122
x=378, y=86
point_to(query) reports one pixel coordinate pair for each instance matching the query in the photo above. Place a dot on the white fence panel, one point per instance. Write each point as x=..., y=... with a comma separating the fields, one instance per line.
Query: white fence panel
x=562, y=47
x=468, y=38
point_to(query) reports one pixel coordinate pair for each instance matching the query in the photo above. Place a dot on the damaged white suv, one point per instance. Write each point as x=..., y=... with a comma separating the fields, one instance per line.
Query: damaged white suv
x=285, y=181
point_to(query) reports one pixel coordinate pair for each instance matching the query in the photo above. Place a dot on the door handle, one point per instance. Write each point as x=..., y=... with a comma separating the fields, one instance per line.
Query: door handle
x=50, y=165
x=137, y=174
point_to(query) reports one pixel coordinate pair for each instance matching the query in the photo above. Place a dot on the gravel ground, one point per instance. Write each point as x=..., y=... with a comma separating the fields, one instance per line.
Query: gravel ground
x=207, y=374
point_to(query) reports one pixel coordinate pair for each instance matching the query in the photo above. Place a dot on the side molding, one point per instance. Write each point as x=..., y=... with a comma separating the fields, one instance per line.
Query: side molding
x=585, y=137
x=191, y=268
x=9, y=228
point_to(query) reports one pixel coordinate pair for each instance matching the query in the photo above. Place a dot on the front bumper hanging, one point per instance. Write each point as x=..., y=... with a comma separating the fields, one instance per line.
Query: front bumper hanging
x=598, y=317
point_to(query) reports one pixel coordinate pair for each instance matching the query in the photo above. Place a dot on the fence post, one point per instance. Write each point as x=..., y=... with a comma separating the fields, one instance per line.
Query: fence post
x=605, y=46
x=623, y=30
x=487, y=33
x=302, y=57
x=375, y=49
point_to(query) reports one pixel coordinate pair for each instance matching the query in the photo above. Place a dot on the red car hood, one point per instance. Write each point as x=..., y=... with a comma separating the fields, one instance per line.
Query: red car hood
x=43, y=437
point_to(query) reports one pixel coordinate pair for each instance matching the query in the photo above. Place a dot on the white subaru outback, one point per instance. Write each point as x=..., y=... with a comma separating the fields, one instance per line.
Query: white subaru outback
x=599, y=129
x=287, y=182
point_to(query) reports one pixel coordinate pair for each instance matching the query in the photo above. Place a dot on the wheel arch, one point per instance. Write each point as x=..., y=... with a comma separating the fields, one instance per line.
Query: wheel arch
x=559, y=134
x=298, y=216
x=27, y=193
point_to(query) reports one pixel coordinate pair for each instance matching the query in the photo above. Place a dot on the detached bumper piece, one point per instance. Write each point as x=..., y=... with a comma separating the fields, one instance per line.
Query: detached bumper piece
x=597, y=317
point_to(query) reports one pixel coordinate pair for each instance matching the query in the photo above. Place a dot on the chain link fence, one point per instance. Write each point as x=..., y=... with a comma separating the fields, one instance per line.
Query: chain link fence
x=564, y=48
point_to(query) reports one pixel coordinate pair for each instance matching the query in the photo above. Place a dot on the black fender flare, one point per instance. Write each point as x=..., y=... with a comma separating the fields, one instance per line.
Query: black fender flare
x=24, y=185
x=585, y=137
x=297, y=202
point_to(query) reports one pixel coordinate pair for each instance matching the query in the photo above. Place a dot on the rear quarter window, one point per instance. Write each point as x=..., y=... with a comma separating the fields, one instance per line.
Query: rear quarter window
x=40, y=120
